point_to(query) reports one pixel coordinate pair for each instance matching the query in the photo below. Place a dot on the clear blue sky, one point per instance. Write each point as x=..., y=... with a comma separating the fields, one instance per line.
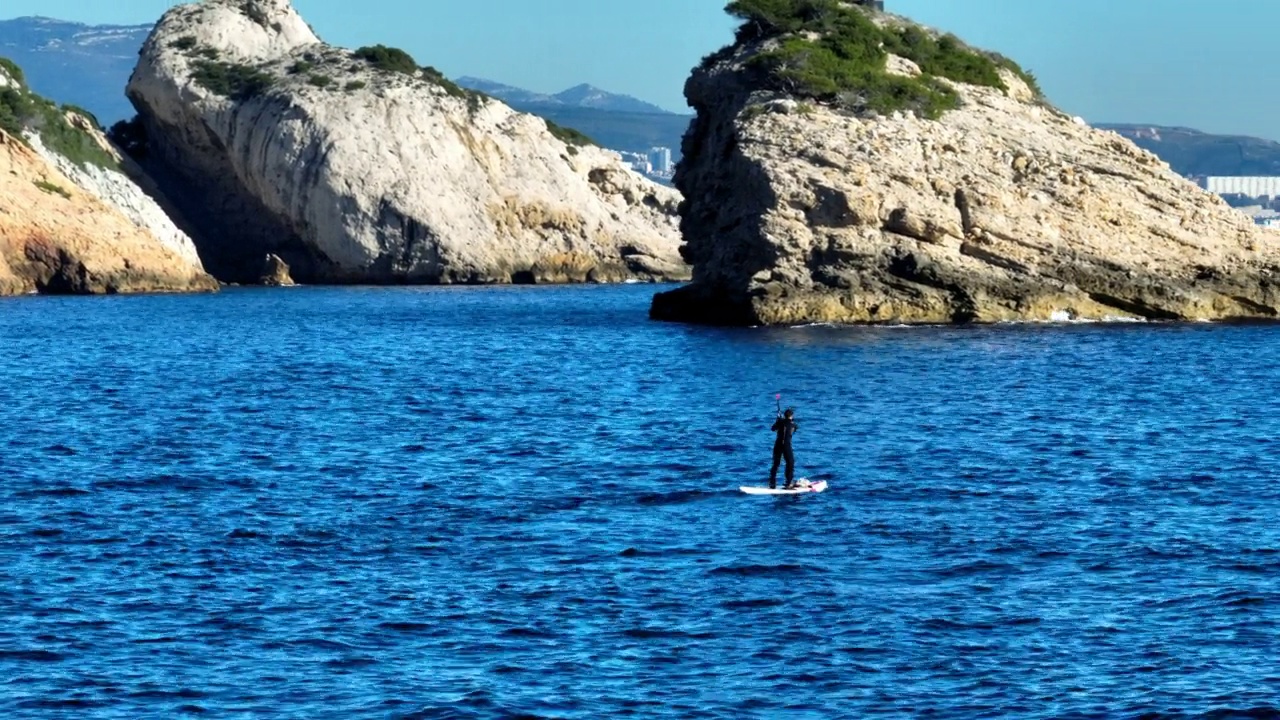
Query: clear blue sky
x=1201, y=63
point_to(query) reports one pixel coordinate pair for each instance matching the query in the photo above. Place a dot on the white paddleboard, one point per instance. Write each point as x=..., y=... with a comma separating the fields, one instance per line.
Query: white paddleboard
x=802, y=486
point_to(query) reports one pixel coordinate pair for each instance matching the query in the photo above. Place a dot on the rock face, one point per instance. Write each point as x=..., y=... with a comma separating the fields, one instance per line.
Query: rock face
x=1002, y=209
x=119, y=188
x=63, y=225
x=58, y=238
x=367, y=169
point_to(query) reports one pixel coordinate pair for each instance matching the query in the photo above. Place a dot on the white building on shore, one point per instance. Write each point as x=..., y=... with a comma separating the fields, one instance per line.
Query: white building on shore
x=660, y=160
x=1254, y=186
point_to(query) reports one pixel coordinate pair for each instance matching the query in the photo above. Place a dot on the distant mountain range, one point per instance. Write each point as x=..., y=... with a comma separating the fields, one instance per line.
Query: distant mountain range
x=85, y=65
x=619, y=122
x=89, y=66
x=1191, y=152
x=581, y=96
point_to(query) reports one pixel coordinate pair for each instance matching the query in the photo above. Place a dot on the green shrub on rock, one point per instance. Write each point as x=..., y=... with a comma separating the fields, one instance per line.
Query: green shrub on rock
x=15, y=107
x=569, y=136
x=52, y=188
x=834, y=52
x=475, y=99
x=71, y=142
x=388, y=59
x=23, y=111
x=232, y=80
x=12, y=70
x=1025, y=75
x=436, y=77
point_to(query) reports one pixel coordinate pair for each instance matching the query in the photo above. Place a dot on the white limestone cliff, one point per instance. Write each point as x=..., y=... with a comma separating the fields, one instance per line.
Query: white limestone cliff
x=274, y=143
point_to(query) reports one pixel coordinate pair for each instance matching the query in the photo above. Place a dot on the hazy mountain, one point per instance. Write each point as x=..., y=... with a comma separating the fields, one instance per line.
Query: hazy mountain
x=588, y=96
x=618, y=122
x=506, y=93
x=582, y=96
x=85, y=65
x=1191, y=152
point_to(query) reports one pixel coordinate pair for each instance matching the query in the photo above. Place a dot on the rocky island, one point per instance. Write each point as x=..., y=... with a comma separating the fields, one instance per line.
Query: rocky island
x=73, y=216
x=851, y=166
x=360, y=166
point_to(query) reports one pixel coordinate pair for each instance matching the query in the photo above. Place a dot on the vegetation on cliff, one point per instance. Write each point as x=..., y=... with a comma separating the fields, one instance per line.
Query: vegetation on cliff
x=22, y=110
x=837, y=53
x=395, y=60
x=388, y=59
x=567, y=135
x=239, y=81
x=11, y=69
x=475, y=99
x=234, y=80
x=53, y=188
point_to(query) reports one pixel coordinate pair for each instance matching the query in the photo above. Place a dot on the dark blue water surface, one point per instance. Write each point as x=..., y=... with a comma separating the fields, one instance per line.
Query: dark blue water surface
x=486, y=503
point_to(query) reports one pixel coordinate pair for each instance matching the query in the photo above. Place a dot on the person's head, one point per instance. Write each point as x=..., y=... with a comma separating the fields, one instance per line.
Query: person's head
x=789, y=412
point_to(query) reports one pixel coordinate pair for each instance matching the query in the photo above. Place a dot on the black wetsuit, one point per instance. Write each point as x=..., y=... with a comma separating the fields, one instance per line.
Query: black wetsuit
x=785, y=427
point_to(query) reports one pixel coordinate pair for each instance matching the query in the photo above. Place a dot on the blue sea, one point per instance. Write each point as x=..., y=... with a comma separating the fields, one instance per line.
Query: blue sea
x=523, y=503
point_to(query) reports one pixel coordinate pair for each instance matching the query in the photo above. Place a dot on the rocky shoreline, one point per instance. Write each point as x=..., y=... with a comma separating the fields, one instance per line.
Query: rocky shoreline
x=844, y=166
x=72, y=218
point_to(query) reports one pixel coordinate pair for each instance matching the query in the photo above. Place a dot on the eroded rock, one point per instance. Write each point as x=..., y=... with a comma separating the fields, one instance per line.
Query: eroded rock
x=1001, y=209
x=368, y=169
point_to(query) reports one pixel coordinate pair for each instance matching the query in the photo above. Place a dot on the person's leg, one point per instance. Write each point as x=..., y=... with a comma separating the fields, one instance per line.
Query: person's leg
x=791, y=467
x=773, y=471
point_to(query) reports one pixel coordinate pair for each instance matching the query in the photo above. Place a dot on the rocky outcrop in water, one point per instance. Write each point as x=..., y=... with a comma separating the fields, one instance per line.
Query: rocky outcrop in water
x=812, y=201
x=71, y=221
x=363, y=167
x=275, y=272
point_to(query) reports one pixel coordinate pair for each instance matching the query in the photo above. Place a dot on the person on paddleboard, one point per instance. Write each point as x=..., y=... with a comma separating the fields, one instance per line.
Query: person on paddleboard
x=785, y=426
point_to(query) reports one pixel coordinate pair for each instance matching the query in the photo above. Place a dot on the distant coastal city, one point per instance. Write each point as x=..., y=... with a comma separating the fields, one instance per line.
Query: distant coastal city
x=1257, y=196
x=656, y=164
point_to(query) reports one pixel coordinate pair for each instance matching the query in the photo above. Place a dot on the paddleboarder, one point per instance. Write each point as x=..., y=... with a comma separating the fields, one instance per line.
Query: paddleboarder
x=785, y=426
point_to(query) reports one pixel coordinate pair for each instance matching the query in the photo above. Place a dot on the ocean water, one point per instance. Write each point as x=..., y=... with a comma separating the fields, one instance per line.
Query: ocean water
x=522, y=502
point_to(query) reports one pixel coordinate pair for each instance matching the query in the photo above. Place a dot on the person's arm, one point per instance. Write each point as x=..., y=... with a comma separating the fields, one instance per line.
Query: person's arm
x=774, y=428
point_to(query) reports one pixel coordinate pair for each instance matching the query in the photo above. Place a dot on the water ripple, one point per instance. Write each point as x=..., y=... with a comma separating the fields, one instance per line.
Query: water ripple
x=521, y=503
